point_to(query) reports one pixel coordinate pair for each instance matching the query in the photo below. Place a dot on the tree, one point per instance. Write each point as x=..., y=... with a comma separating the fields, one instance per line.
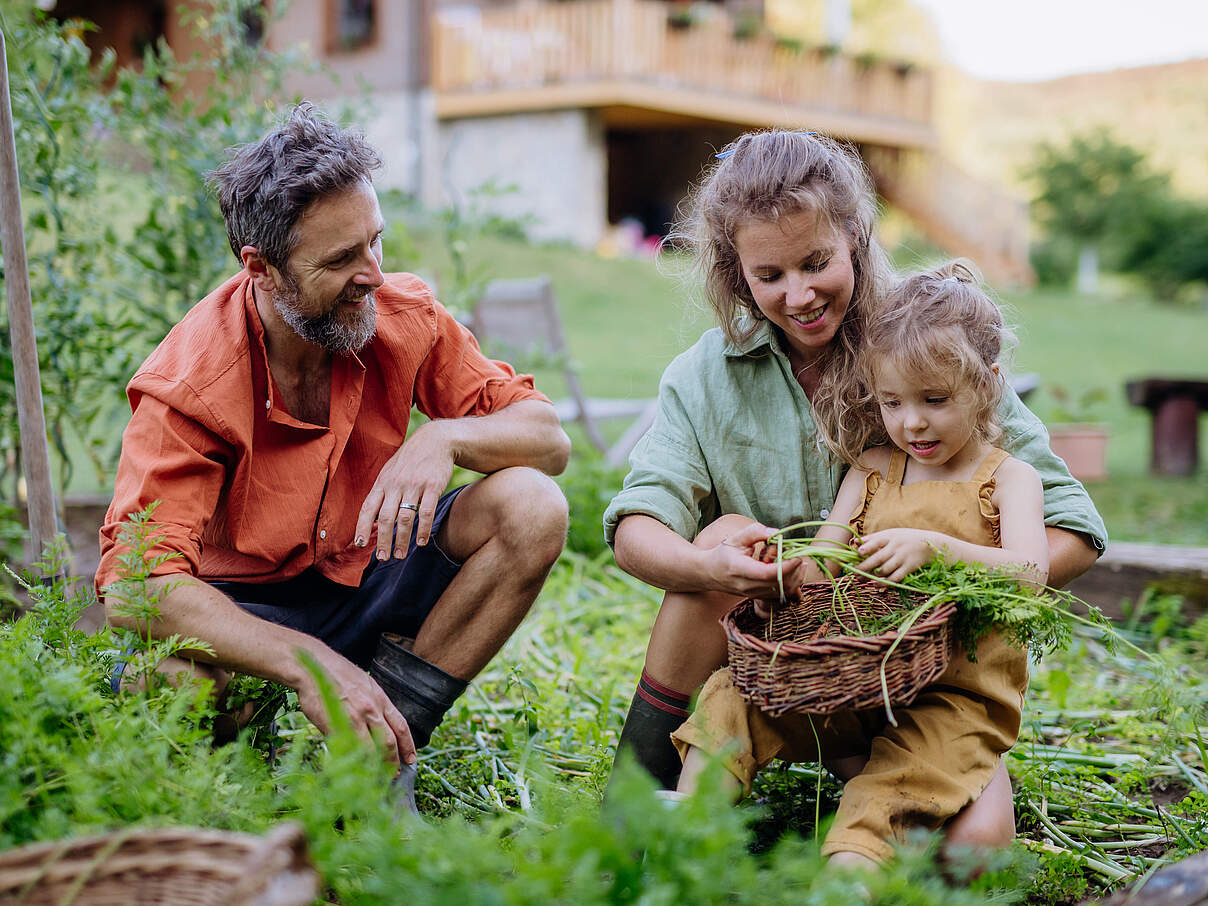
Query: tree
x=1099, y=197
x=1166, y=243
x=1089, y=190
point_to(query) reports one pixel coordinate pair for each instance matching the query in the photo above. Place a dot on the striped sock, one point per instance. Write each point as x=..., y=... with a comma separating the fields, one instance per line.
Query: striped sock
x=660, y=696
x=654, y=714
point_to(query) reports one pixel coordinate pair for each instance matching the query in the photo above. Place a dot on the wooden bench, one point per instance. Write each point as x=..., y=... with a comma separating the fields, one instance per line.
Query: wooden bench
x=1175, y=404
x=1126, y=569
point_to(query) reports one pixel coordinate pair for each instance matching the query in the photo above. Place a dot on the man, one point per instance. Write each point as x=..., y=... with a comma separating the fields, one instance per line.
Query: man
x=272, y=424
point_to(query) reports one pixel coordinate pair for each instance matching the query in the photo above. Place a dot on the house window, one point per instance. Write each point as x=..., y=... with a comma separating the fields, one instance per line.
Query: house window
x=354, y=24
x=252, y=20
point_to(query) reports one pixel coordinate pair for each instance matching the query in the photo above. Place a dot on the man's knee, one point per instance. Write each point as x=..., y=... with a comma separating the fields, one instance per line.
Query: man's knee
x=532, y=513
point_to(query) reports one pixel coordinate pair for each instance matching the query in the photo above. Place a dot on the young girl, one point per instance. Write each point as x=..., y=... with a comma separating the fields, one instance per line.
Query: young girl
x=926, y=482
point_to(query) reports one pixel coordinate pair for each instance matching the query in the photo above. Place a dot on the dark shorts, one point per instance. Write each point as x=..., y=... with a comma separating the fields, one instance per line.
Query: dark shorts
x=394, y=596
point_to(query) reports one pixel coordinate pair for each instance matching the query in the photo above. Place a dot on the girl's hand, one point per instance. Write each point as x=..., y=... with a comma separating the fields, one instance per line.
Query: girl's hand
x=894, y=554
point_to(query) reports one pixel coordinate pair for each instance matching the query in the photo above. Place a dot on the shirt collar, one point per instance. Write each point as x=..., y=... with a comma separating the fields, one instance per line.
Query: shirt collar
x=256, y=343
x=757, y=336
x=348, y=372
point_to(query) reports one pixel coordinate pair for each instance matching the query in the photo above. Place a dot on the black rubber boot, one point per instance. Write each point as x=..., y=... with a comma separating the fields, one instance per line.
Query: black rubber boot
x=422, y=692
x=647, y=732
x=402, y=789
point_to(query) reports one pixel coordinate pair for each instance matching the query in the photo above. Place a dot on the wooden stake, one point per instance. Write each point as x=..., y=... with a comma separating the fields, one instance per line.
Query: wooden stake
x=35, y=454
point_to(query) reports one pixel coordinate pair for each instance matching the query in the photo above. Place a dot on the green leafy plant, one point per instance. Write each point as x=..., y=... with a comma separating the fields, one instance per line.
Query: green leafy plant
x=747, y=26
x=135, y=143
x=1082, y=408
x=681, y=15
x=790, y=44
x=512, y=780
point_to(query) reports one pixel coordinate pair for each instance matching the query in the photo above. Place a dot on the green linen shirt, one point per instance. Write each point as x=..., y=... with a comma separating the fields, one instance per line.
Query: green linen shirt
x=735, y=434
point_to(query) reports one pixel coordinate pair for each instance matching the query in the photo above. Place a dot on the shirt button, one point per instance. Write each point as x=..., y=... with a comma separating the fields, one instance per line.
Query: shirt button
x=825, y=514
x=268, y=404
x=322, y=533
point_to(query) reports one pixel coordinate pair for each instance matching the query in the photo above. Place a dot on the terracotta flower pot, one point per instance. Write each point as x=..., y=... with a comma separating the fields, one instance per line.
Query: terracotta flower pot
x=1083, y=447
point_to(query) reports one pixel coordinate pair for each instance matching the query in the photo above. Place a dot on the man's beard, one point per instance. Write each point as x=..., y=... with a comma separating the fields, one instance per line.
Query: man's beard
x=340, y=331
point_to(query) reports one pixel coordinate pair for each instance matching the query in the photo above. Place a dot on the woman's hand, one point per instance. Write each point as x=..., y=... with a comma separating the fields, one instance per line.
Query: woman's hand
x=744, y=565
x=894, y=554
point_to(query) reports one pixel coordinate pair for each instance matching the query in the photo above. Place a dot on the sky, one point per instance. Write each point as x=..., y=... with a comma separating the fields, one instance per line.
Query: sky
x=1024, y=40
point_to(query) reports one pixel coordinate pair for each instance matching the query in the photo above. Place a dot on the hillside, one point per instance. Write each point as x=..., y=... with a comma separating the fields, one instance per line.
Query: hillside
x=991, y=128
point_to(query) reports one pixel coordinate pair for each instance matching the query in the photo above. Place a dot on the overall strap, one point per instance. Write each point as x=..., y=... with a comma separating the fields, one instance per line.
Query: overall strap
x=989, y=465
x=897, y=467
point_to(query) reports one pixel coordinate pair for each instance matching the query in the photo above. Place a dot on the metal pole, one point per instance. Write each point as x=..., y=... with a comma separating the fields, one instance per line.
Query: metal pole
x=35, y=455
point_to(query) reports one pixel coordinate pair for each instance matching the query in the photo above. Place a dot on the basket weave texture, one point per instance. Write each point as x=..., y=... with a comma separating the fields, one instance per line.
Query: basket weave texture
x=180, y=866
x=809, y=659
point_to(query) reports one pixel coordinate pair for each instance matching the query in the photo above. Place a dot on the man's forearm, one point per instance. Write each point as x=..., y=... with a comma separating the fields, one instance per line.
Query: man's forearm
x=526, y=433
x=238, y=640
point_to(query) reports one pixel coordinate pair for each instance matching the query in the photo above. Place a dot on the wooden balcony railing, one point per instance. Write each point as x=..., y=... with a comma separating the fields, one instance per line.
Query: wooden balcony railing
x=533, y=45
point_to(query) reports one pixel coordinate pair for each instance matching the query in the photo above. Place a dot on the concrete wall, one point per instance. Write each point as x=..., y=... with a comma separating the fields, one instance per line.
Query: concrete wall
x=382, y=64
x=378, y=86
x=556, y=159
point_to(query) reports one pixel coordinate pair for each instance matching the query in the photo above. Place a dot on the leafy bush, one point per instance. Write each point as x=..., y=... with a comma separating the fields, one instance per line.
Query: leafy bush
x=78, y=759
x=1166, y=243
x=83, y=342
x=123, y=236
x=1054, y=260
x=589, y=484
x=1096, y=192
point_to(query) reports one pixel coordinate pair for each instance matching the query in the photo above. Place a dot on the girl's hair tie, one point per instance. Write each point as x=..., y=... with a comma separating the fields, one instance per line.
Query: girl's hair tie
x=722, y=155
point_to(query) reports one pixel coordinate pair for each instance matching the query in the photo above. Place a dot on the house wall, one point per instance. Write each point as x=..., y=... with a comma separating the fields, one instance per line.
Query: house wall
x=556, y=160
x=383, y=65
x=380, y=86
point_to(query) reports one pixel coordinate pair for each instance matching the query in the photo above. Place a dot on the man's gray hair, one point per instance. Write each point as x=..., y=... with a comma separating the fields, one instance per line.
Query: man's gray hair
x=266, y=185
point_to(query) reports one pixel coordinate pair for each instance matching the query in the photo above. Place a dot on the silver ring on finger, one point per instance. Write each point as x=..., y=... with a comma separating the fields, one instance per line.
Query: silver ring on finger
x=408, y=506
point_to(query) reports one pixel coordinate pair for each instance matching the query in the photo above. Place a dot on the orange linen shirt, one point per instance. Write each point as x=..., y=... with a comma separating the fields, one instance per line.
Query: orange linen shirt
x=249, y=493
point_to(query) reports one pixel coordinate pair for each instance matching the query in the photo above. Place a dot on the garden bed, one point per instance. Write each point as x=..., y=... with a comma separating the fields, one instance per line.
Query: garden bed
x=1104, y=786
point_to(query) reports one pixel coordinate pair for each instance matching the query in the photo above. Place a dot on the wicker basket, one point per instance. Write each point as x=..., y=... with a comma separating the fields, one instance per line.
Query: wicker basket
x=808, y=658
x=179, y=866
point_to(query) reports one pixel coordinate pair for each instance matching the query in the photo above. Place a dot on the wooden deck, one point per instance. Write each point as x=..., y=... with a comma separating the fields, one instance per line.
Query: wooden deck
x=603, y=53
x=623, y=58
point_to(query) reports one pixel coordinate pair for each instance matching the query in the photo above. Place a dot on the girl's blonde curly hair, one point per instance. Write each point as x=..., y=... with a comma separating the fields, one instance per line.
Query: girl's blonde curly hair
x=939, y=326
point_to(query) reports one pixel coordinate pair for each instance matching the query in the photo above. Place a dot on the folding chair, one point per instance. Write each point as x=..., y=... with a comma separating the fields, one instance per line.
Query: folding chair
x=519, y=319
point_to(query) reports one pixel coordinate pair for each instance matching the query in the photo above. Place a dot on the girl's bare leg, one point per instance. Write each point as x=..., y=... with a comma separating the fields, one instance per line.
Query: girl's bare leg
x=852, y=860
x=988, y=822
x=695, y=763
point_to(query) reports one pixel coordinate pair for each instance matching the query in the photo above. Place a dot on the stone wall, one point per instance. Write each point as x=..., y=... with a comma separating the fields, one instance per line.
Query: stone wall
x=555, y=159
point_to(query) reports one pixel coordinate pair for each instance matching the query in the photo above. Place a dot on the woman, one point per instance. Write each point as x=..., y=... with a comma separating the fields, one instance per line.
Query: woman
x=782, y=232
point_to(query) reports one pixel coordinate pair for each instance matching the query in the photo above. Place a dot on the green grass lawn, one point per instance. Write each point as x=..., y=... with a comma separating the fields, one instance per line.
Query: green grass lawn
x=627, y=318
x=625, y=321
